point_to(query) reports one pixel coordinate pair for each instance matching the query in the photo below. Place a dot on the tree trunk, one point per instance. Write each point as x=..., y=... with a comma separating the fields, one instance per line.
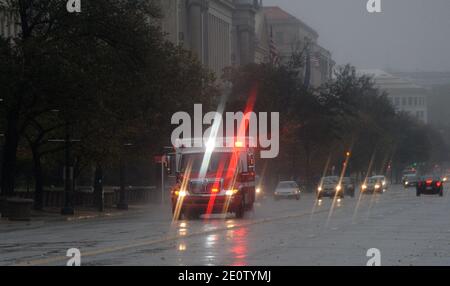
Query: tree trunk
x=39, y=180
x=10, y=154
x=308, y=167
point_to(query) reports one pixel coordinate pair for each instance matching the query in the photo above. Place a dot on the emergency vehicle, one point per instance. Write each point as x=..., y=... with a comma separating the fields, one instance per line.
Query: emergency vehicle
x=215, y=178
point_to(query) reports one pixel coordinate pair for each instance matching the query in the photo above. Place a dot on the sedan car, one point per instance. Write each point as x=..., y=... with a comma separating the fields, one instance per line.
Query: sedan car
x=430, y=185
x=287, y=189
x=349, y=186
x=330, y=187
x=375, y=184
x=409, y=180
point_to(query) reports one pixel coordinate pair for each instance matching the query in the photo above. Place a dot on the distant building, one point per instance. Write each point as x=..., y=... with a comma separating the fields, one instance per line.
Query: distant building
x=291, y=35
x=405, y=95
x=221, y=33
x=9, y=25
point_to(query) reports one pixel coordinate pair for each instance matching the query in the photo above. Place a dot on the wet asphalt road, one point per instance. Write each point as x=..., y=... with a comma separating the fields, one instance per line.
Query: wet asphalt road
x=407, y=230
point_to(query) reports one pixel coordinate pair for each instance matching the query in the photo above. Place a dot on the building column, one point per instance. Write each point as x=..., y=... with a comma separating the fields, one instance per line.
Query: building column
x=197, y=19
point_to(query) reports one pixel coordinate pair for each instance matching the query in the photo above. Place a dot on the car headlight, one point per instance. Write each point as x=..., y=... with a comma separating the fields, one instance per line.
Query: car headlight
x=377, y=186
x=231, y=192
x=181, y=194
x=364, y=187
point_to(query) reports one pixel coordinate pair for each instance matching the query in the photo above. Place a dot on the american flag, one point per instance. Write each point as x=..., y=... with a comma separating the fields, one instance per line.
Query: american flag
x=274, y=54
x=315, y=60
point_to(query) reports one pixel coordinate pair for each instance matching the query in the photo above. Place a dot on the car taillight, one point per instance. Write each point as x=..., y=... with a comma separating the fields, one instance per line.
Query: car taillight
x=429, y=182
x=438, y=184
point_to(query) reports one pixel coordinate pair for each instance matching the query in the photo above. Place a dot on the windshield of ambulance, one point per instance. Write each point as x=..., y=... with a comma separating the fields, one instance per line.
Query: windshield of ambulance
x=218, y=162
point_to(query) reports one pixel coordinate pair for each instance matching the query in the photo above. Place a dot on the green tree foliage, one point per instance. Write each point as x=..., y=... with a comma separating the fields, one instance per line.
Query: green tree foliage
x=107, y=75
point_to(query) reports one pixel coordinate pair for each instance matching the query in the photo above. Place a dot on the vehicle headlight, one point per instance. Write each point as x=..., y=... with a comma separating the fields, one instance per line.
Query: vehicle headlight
x=182, y=194
x=445, y=179
x=338, y=188
x=364, y=187
x=406, y=182
x=231, y=192
x=377, y=186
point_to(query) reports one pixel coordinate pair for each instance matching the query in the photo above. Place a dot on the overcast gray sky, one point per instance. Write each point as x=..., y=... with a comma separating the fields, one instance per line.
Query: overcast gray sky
x=409, y=35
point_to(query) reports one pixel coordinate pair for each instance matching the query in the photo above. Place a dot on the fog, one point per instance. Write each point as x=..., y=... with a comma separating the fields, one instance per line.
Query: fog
x=409, y=35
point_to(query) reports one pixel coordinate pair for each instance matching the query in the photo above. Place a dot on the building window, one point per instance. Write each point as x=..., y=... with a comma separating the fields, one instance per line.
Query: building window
x=404, y=101
x=410, y=100
x=415, y=101
x=397, y=101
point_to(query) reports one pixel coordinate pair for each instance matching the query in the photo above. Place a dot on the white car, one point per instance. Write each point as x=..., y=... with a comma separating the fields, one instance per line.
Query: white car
x=287, y=189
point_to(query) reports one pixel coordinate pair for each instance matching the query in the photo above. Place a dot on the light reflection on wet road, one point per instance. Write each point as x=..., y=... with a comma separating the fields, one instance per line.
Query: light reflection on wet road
x=282, y=232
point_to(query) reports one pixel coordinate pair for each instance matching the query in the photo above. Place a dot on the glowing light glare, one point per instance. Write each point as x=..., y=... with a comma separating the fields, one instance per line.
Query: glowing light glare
x=338, y=188
x=214, y=190
x=210, y=144
x=239, y=144
x=181, y=247
x=231, y=192
x=319, y=189
x=182, y=194
x=258, y=190
x=377, y=186
x=183, y=225
x=364, y=187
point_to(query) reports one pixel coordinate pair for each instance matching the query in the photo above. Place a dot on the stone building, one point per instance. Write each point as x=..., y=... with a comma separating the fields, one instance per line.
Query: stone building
x=291, y=35
x=9, y=26
x=221, y=33
x=405, y=95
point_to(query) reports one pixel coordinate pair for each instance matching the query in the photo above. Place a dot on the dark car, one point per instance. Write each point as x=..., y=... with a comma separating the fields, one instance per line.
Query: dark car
x=349, y=186
x=330, y=187
x=409, y=180
x=430, y=185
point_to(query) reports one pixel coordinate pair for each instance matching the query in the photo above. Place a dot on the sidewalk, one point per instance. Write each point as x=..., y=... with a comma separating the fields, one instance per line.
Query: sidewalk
x=50, y=215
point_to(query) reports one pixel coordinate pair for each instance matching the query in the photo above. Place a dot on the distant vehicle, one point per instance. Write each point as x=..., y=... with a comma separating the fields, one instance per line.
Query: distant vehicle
x=259, y=190
x=375, y=184
x=430, y=185
x=330, y=187
x=287, y=189
x=349, y=186
x=409, y=180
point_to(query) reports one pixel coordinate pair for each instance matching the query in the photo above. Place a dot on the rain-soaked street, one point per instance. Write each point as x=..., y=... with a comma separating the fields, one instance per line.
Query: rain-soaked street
x=408, y=230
